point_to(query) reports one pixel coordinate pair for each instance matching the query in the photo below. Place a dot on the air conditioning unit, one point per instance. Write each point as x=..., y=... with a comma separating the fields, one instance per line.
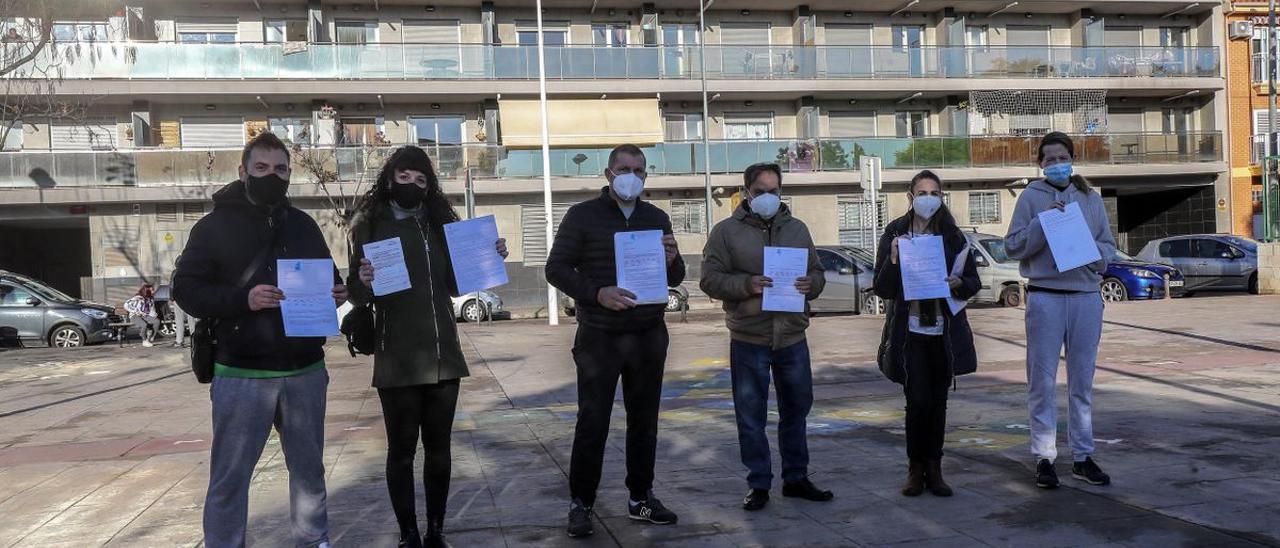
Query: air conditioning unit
x=1241, y=30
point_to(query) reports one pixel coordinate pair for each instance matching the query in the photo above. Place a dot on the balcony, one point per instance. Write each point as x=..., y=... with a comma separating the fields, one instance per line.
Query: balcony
x=255, y=61
x=51, y=169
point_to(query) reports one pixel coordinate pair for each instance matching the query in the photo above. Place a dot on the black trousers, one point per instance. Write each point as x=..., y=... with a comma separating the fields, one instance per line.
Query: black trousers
x=408, y=411
x=602, y=357
x=928, y=379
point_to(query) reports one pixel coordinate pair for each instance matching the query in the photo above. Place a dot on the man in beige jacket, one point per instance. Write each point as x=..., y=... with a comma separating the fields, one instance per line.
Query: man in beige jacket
x=763, y=341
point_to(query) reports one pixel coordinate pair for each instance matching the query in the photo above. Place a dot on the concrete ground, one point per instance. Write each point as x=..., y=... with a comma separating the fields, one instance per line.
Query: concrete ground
x=109, y=446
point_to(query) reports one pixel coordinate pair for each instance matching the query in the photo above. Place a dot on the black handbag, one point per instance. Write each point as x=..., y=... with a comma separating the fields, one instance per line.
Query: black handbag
x=360, y=328
x=204, y=343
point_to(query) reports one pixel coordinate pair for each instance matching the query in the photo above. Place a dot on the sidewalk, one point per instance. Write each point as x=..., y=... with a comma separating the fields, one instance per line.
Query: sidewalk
x=99, y=447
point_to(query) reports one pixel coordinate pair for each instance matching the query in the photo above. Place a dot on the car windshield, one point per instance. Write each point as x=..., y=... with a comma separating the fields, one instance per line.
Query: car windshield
x=995, y=248
x=1244, y=243
x=1122, y=256
x=45, y=291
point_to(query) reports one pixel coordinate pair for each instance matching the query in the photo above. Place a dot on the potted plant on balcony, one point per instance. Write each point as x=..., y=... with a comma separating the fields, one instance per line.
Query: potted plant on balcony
x=798, y=157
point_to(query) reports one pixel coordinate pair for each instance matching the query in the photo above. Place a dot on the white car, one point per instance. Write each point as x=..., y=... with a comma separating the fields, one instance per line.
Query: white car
x=465, y=307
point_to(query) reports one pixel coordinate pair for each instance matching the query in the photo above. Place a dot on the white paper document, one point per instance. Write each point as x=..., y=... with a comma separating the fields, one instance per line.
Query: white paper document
x=957, y=270
x=390, y=275
x=308, y=307
x=924, y=268
x=472, y=248
x=641, y=265
x=1069, y=237
x=783, y=265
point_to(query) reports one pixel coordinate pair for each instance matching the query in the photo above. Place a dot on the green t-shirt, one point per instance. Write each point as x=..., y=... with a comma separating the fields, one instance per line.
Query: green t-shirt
x=221, y=370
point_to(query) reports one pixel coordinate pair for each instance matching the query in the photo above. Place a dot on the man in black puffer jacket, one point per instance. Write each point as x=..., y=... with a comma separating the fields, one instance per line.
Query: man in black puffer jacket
x=261, y=377
x=616, y=337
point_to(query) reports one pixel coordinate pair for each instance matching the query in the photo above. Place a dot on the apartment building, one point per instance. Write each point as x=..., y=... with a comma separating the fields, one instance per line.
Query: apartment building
x=1247, y=95
x=964, y=88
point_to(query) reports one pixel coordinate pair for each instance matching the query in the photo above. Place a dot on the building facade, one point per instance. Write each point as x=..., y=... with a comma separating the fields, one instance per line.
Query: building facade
x=174, y=89
x=1247, y=95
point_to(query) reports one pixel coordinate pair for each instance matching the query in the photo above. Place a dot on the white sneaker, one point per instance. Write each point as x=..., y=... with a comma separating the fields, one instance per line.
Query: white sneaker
x=147, y=344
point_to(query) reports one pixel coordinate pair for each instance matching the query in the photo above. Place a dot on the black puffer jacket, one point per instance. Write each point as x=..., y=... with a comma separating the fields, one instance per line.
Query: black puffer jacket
x=581, y=261
x=958, y=338
x=220, y=247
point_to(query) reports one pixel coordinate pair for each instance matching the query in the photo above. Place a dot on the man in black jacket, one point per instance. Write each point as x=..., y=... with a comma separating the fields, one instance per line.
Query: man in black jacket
x=261, y=377
x=616, y=337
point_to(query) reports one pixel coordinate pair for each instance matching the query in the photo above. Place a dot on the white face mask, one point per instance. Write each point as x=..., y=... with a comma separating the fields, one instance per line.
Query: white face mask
x=627, y=186
x=925, y=206
x=765, y=205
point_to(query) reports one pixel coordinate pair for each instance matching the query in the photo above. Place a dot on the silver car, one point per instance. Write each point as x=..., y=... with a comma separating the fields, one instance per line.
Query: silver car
x=999, y=274
x=849, y=272
x=1208, y=261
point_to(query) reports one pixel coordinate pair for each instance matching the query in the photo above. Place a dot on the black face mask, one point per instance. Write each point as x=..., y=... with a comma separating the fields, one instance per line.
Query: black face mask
x=407, y=196
x=268, y=190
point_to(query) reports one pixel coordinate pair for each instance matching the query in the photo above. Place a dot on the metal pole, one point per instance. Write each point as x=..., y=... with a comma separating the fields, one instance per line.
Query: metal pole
x=706, y=113
x=1268, y=165
x=553, y=308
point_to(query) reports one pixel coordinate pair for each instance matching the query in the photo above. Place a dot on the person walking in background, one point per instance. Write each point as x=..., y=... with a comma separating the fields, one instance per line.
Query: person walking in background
x=616, y=338
x=762, y=341
x=925, y=345
x=262, y=378
x=142, y=310
x=1063, y=309
x=417, y=361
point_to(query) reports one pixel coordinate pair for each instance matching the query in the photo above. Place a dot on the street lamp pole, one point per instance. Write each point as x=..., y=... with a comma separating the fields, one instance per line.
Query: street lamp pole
x=553, y=308
x=706, y=113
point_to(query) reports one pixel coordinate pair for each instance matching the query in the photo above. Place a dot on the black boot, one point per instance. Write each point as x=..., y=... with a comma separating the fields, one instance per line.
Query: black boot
x=409, y=536
x=915, y=479
x=933, y=479
x=435, y=533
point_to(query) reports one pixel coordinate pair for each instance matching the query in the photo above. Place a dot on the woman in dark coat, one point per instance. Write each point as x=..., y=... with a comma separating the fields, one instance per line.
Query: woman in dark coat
x=925, y=345
x=418, y=359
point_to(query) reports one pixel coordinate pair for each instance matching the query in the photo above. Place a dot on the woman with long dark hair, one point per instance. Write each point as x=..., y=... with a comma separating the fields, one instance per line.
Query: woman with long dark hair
x=418, y=360
x=925, y=345
x=1064, y=308
x=142, y=311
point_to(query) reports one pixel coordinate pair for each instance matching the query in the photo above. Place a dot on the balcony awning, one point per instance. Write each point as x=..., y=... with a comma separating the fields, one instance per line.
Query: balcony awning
x=581, y=122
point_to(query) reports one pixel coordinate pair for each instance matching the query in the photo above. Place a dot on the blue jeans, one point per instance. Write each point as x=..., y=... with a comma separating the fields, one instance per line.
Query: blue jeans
x=750, y=366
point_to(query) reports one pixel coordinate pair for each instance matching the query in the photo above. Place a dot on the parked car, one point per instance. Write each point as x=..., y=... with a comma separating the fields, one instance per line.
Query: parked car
x=677, y=300
x=998, y=273
x=41, y=314
x=1208, y=261
x=849, y=272
x=1128, y=278
x=465, y=307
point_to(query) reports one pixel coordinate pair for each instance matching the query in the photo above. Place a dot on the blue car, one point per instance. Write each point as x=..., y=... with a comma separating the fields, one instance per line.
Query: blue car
x=1128, y=278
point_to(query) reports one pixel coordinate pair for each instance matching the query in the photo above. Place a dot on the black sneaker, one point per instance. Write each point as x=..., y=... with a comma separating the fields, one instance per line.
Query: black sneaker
x=805, y=489
x=1089, y=471
x=756, y=500
x=580, y=520
x=651, y=510
x=1046, y=475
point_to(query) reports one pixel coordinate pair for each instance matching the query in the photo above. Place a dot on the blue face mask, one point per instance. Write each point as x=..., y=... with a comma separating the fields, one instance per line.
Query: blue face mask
x=1058, y=173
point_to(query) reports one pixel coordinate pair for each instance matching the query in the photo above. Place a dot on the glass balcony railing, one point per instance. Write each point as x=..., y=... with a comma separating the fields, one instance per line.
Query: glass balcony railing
x=251, y=61
x=50, y=169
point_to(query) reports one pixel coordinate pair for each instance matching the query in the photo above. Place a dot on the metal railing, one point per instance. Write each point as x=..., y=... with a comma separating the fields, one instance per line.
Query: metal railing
x=216, y=166
x=252, y=61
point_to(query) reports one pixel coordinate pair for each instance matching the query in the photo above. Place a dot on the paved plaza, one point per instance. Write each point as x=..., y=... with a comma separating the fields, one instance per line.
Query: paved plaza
x=106, y=445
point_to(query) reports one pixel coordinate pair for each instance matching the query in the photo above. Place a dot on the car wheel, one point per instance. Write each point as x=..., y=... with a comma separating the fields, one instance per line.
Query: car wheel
x=66, y=336
x=472, y=311
x=871, y=304
x=674, y=302
x=1113, y=291
x=1253, y=284
x=1011, y=296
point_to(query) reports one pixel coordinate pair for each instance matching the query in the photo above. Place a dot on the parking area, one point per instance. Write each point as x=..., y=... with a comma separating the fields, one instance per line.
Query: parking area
x=109, y=446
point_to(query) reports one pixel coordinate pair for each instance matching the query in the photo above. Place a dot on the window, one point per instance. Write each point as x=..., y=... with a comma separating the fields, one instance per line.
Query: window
x=436, y=130
x=609, y=34
x=13, y=138
x=533, y=228
x=1175, y=249
x=911, y=123
x=852, y=124
x=1176, y=121
x=79, y=32
x=11, y=295
x=291, y=130
x=83, y=135
x=1258, y=47
x=853, y=218
x=361, y=131
x=748, y=126
x=1213, y=249
x=687, y=216
x=286, y=31
x=553, y=34
x=984, y=208
x=1024, y=125
x=207, y=31
x=1256, y=195
x=832, y=262
x=975, y=37
x=995, y=248
x=682, y=127
x=206, y=37
x=356, y=32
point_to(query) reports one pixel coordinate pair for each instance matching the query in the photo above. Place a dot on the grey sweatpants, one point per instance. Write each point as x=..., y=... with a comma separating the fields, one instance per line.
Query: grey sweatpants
x=1054, y=320
x=244, y=411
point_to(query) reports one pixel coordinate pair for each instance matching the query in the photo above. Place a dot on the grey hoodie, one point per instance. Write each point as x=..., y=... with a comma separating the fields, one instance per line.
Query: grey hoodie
x=1026, y=242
